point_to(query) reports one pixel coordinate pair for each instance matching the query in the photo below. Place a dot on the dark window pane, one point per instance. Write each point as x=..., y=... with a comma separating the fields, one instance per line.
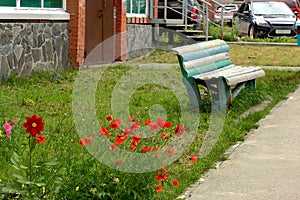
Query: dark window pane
x=30, y=3
x=8, y=3
x=53, y=3
x=142, y=6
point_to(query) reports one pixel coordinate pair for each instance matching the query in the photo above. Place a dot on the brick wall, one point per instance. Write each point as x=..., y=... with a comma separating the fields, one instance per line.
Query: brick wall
x=120, y=30
x=76, y=9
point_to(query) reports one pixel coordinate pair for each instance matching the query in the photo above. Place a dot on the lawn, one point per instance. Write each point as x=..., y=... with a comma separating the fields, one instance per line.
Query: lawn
x=63, y=169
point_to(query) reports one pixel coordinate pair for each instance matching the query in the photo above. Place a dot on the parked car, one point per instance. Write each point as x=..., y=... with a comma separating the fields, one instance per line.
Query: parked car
x=294, y=6
x=263, y=18
x=228, y=11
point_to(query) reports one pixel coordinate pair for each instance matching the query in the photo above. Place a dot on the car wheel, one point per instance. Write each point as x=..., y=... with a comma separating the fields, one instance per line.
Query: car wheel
x=252, y=33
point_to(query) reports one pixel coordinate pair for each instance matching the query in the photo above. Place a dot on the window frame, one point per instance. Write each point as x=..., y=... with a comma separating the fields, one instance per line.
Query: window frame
x=34, y=13
x=143, y=15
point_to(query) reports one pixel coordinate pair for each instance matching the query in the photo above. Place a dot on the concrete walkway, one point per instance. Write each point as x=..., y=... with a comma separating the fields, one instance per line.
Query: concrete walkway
x=265, y=166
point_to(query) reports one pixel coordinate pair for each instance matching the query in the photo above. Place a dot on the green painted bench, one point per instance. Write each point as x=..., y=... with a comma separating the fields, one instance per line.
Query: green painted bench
x=208, y=64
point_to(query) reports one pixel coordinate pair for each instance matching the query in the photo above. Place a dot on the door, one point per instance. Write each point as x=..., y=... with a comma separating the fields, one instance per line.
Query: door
x=99, y=27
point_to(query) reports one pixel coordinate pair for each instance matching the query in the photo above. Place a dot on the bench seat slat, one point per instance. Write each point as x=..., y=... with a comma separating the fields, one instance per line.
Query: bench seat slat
x=233, y=74
x=205, y=53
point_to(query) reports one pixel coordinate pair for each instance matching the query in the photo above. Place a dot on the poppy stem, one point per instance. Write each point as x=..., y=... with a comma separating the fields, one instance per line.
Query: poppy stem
x=30, y=159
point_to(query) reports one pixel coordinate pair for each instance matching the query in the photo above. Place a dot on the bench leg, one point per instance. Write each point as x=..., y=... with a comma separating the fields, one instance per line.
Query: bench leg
x=193, y=91
x=250, y=85
x=221, y=94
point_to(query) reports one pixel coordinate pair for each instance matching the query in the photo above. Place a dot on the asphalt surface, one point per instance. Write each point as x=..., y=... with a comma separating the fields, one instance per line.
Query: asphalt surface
x=265, y=166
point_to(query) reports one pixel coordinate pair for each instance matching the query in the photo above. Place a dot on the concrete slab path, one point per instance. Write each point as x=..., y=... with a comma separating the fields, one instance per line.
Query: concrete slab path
x=266, y=166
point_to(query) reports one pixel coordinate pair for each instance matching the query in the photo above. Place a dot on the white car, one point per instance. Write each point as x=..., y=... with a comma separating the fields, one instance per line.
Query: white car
x=228, y=11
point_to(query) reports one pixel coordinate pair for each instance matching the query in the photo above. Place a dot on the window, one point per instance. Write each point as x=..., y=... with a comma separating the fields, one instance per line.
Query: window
x=33, y=3
x=137, y=7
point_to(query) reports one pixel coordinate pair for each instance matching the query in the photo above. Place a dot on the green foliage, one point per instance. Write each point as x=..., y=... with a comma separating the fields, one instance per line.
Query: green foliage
x=67, y=171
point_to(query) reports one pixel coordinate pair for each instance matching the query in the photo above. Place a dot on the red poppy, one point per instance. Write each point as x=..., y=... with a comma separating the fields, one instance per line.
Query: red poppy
x=113, y=147
x=131, y=118
x=40, y=139
x=120, y=138
x=88, y=140
x=136, y=139
x=194, y=159
x=148, y=122
x=114, y=125
x=104, y=131
x=167, y=125
x=135, y=125
x=159, y=188
x=179, y=130
x=34, y=125
x=118, y=161
x=109, y=118
x=161, y=177
x=160, y=122
x=165, y=135
x=175, y=183
x=171, y=151
x=128, y=130
x=146, y=149
x=82, y=143
x=154, y=127
x=133, y=147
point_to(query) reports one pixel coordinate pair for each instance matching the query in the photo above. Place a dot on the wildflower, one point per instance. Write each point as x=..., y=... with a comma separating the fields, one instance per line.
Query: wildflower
x=154, y=127
x=148, y=122
x=171, y=151
x=7, y=127
x=120, y=138
x=104, y=131
x=128, y=130
x=113, y=147
x=88, y=140
x=13, y=122
x=136, y=139
x=145, y=149
x=8, y=133
x=43, y=190
x=77, y=188
x=118, y=162
x=131, y=118
x=165, y=135
x=23, y=186
x=160, y=122
x=161, y=177
x=116, y=180
x=175, y=183
x=93, y=190
x=1, y=133
x=179, y=130
x=194, y=159
x=40, y=139
x=82, y=143
x=115, y=124
x=133, y=147
x=34, y=125
x=159, y=188
x=109, y=118
x=167, y=125
x=135, y=125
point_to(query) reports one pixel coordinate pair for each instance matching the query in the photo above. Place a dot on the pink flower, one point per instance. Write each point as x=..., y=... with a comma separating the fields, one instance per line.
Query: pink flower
x=8, y=133
x=13, y=122
x=7, y=127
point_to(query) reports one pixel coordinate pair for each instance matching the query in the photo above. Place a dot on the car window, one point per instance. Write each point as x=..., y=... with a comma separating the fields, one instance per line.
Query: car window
x=241, y=10
x=271, y=8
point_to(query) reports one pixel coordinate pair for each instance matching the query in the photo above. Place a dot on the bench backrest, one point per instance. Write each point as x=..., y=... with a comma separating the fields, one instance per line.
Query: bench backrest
x=202, y=57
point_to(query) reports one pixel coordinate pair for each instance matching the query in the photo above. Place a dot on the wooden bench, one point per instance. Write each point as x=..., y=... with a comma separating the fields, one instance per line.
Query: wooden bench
x=208, y=64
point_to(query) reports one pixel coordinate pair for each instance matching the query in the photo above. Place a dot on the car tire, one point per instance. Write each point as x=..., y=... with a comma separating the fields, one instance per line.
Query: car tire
x=252, y=33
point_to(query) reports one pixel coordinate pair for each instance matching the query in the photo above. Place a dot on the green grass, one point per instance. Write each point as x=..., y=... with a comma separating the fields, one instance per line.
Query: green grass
x=52, y=100
x=245, y=55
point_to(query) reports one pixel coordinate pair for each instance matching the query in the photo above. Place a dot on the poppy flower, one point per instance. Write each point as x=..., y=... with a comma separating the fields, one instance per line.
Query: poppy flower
x=154, y=127
x=131, y=118
x=133, y=147
x=120, y=138
x=179, y=130
x=167, y=125
x=113, y=147
x=34, y=125
x=136, y=139
x=128, y=130
x=165, y=135
x=109, y=118
x=146, y=149
x=161, y=177
x=148, y=122
x=40, y=139
x=82, y=143
x=194, y=159
x=171, y=151
x=160, y=122
x=159, y=188
x=104, y=131
x=88, y=140
x=114, y=125
x=175, y=183
x=135, y=125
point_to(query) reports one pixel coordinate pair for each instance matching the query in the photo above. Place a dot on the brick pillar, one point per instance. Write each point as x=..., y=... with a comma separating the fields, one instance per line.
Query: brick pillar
x=120, y=30
x=76, y=9
x=155, y=10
